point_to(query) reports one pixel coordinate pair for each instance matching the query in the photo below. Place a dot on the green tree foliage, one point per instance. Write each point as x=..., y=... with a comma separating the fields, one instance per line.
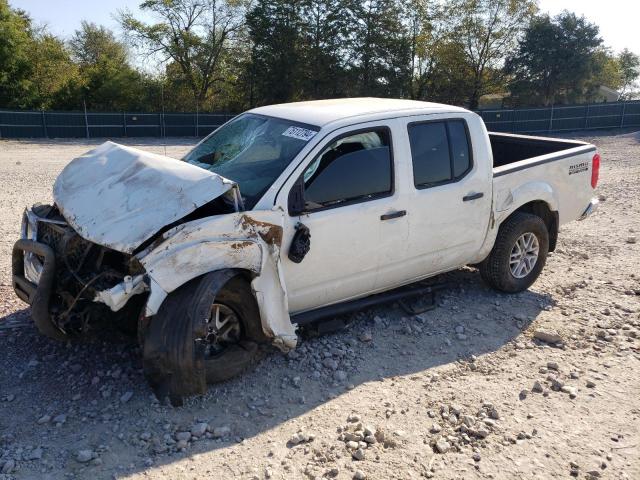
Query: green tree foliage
x=106, y=79
x=555, y=61
x=489, y=30
x=326, y=28
x=275, y=67
x=326, y=48
x=230, y=55
x=196, y=35
x=381, y=49
x=439, y=68
x=52, y=71
x=605, y=72
x=34, y=65
x=15, y=41
x=629, y=67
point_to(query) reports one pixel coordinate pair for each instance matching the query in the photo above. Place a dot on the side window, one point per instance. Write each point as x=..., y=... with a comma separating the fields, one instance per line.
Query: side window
x=440, y=152
x=353, y=168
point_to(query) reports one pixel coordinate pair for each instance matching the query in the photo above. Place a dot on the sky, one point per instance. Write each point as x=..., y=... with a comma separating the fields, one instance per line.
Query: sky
x=618, y=19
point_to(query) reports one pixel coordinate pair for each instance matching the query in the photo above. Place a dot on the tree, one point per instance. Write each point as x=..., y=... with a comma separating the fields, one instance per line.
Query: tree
x=326, y=26
x=629, y=64
x=52, y=71
x=15, y=41
x=381, y=48
x=277, y=46
x=489, y=30
x=555, y=61
x=35, y=66
x=106, y=79
x=605, y=71
x=194, y=34
x=439, y=68
x=93, y=44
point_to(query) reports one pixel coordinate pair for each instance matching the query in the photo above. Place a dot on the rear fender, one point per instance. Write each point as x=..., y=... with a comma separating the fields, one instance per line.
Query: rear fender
x=508, y=201
x=248, y=241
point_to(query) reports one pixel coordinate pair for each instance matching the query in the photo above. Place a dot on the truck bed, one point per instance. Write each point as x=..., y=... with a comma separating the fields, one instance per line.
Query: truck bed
x=559, y=166
x=509, y=148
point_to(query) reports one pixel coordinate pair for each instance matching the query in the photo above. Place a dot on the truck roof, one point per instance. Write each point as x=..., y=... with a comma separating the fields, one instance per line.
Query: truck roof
x=322, y=112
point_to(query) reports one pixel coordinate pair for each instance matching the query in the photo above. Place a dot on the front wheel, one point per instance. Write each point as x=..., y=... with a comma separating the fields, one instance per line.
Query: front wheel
x=518, y=255
x=206, y=331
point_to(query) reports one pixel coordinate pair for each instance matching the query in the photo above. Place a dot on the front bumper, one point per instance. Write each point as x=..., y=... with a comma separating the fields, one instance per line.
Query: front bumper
x=38, y=296
x=592, y=207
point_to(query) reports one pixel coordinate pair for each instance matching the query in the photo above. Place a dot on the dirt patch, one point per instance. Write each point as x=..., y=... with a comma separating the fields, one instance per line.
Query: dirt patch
x=270, y=233
x=241, y=245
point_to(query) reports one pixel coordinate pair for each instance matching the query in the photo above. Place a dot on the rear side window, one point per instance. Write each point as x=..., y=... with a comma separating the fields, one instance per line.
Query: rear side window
x=351, y=169
x=440, y=152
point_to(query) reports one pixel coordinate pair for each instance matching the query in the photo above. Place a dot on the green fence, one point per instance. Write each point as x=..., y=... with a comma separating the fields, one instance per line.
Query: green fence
x=563, y=118
x=45, y=124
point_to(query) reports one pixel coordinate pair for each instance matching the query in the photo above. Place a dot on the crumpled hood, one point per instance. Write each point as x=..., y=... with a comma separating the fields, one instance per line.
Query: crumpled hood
x=118, y=196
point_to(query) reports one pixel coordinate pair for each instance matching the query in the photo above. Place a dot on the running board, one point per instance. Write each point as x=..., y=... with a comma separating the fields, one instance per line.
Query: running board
x=398, y=295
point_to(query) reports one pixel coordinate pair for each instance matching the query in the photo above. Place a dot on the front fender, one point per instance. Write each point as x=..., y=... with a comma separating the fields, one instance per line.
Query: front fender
x=249, y=241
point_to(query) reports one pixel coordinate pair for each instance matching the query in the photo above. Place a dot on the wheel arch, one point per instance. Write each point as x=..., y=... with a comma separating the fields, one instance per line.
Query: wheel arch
x=542, y=209
x=170, y=268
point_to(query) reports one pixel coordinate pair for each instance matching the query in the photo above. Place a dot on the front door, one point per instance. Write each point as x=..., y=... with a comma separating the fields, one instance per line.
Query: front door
x=350, y=199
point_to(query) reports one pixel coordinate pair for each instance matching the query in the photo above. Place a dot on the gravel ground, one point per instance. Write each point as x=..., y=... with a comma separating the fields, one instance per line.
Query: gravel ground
x=463, y=391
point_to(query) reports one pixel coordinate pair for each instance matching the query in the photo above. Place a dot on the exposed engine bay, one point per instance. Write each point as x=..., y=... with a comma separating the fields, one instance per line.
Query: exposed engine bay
x=84, y=269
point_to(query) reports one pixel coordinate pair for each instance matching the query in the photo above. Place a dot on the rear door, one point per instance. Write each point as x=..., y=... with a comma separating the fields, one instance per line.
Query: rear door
x=450, y=193
x=351, y=204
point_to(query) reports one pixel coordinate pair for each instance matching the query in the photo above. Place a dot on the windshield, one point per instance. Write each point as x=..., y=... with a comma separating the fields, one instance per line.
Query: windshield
x=252, y=150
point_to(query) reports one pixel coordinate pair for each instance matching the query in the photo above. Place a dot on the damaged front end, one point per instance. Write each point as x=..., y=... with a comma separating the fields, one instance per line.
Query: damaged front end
x=160, y=224
x=74, y=286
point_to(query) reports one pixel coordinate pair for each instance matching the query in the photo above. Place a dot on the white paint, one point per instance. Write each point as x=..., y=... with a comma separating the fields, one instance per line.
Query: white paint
x=569, y=195
x=354, y=254
x=119, y=196
x=351, y=110
x=443, y=229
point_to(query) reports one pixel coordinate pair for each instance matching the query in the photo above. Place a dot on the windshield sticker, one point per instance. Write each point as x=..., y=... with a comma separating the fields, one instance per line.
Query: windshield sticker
x=299, y=133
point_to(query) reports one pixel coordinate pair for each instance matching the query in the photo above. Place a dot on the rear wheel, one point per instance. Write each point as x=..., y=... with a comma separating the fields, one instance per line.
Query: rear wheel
x=519, y=253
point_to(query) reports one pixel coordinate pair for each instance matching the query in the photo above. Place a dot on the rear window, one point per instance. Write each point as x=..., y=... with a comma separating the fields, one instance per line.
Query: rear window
x=440, y=152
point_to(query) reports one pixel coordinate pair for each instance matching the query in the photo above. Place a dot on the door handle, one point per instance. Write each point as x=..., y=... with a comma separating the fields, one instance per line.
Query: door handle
x=472, y=196
x=389, y=216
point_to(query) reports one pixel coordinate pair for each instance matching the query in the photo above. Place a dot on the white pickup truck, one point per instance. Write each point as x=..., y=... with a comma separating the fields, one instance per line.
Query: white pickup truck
x=287, y=215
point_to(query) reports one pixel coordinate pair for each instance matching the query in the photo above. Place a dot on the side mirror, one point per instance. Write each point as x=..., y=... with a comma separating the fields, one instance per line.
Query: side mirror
x=300, y=244
x=296, y=199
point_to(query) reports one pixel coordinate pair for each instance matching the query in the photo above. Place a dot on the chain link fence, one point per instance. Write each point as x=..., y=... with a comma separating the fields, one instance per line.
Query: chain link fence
x=45, y=124
x=563, y=118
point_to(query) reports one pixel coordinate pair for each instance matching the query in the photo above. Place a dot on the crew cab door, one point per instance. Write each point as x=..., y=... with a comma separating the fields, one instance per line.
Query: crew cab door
x=450, y=192
x=350, y=204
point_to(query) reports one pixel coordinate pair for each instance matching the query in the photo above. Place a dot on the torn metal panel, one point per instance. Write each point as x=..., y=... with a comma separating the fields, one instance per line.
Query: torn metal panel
x=116, y=297
x=248, y=241
x=139, y=194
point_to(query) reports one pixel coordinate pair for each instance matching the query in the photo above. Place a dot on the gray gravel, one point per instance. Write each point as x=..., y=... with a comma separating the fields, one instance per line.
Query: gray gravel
x=391, y=396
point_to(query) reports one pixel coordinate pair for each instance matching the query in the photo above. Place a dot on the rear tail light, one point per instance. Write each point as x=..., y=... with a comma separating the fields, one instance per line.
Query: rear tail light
x=595, y=170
